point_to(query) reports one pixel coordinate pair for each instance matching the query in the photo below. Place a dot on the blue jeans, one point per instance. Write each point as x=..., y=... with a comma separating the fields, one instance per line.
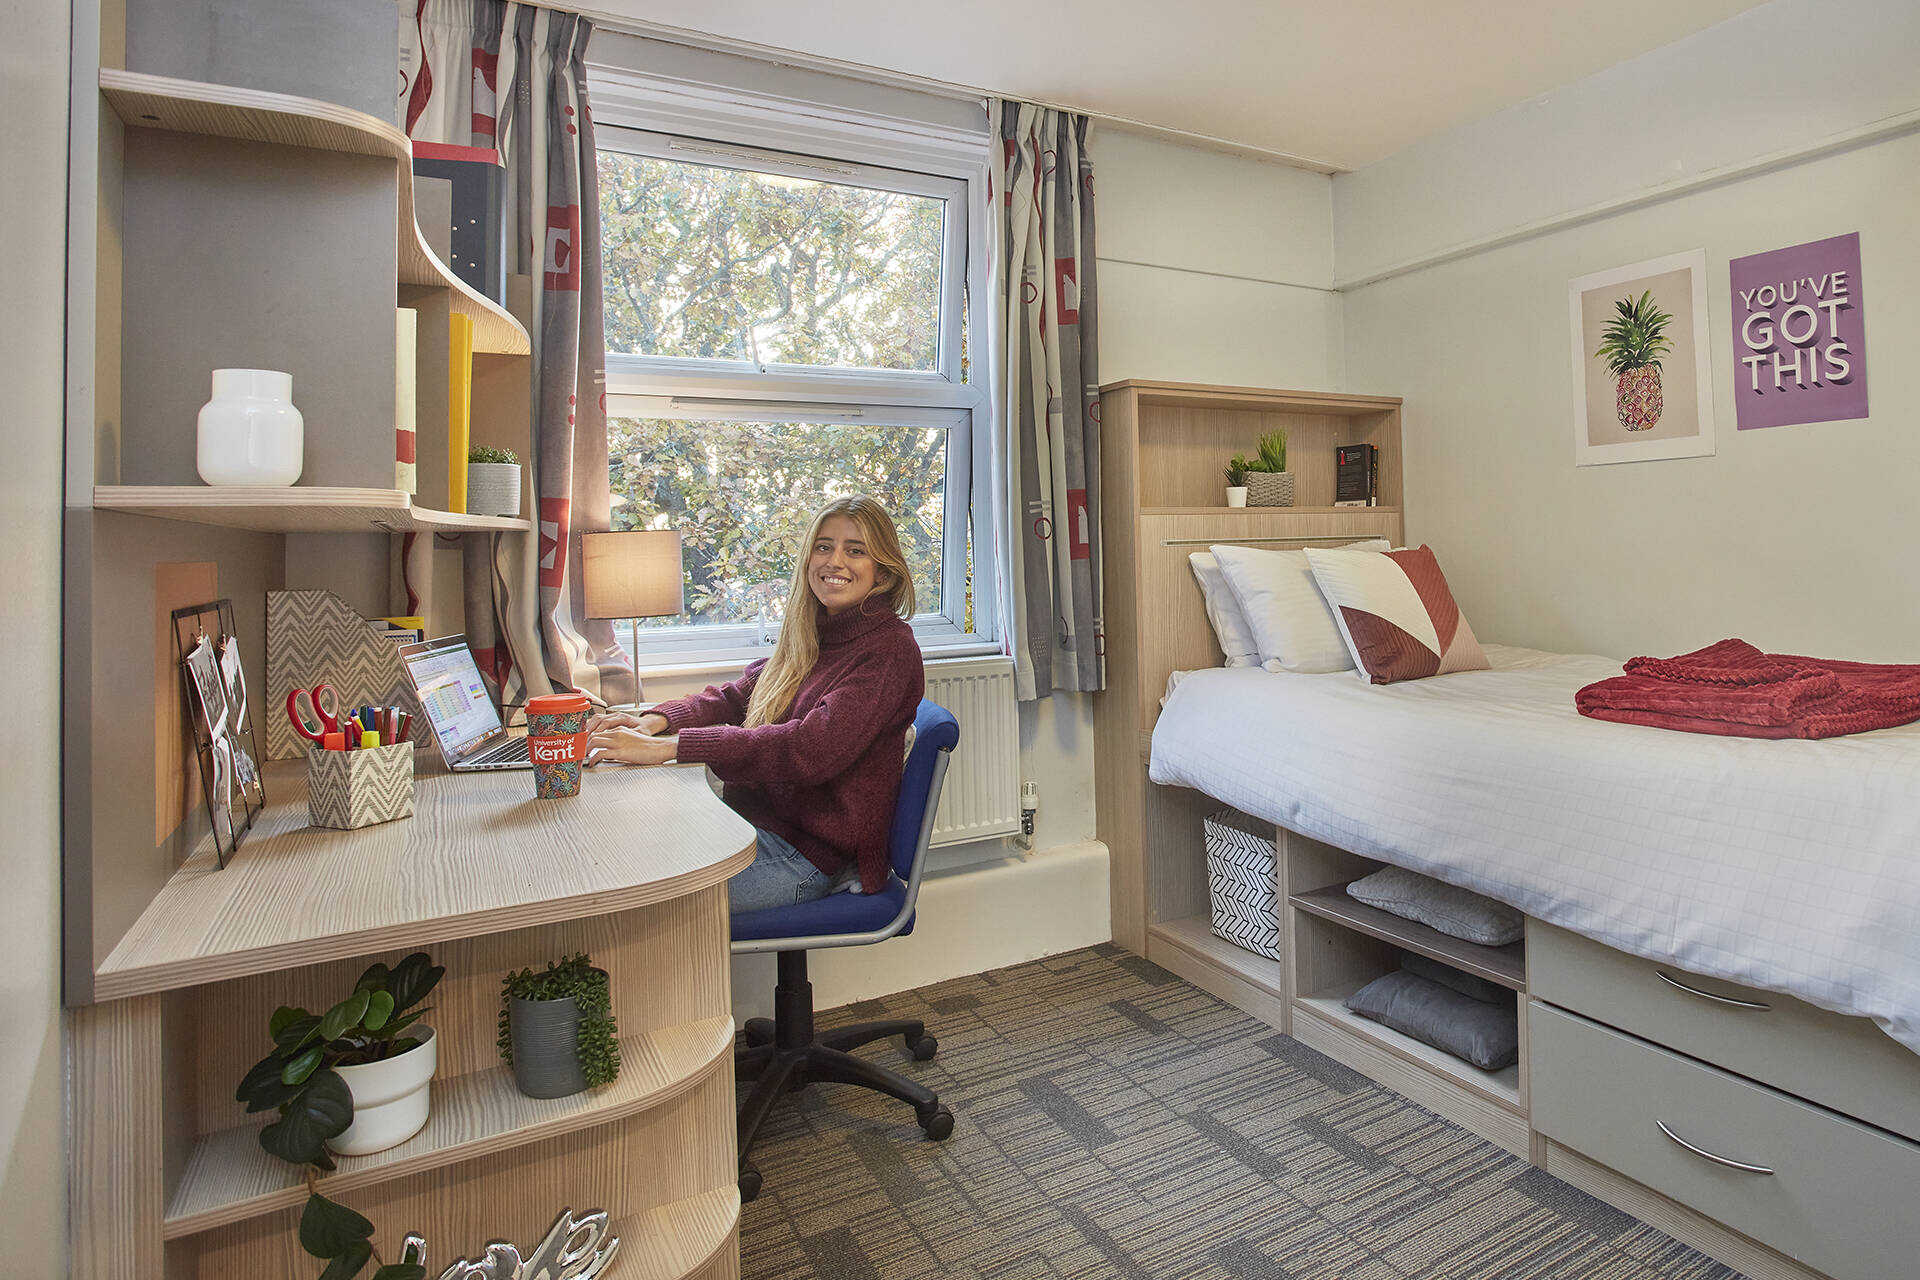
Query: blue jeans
x=778, y=876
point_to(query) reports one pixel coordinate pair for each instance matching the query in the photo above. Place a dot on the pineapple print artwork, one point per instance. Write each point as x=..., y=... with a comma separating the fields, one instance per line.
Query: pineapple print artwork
x=1633, y=344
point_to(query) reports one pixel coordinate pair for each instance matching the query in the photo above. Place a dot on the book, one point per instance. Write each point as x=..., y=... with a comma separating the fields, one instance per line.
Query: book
x=1356, y=475
x=459, y=407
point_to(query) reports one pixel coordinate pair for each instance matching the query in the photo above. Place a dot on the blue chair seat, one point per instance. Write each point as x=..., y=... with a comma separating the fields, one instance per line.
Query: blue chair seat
x=835, y=913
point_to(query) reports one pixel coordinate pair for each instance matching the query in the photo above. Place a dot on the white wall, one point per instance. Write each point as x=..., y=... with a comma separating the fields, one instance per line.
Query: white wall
x=1213, y=268
x=33, y=102
x=1797, y=538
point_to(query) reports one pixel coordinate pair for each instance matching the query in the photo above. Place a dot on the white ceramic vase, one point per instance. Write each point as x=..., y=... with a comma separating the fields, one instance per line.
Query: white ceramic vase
x=389, y=1098
x=250, y=433
x=1236, y=495
x=493, y=488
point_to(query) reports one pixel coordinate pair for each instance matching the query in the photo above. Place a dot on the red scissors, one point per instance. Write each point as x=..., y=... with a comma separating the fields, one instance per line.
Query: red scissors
x=322, y=704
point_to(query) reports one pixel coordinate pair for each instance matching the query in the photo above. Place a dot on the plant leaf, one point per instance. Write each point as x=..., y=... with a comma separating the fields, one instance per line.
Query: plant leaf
x=296, y=1033
x=300, y=1067
x=322, y=1110
x=394, y=1028
x=373, y=979
x=412, y=979
x=284, y=1017
x=328, y=1230
x=401, y=1271
x=379, y=1009
x=349, y=1264
x=344, y=1016
x=261, y=1080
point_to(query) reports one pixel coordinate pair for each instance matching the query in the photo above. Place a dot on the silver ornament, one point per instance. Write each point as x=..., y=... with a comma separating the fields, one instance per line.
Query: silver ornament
x=574, y=1249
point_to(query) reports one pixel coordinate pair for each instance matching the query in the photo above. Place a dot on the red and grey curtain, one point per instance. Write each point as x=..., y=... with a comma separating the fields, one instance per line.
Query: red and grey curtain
x=1049, y=385
x=511, y=76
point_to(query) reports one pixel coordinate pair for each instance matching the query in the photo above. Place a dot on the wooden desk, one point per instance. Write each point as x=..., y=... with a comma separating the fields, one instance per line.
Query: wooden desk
x=168, y=1178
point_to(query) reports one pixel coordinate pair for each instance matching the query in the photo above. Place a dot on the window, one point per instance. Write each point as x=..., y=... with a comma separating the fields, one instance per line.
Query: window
x=785, y=328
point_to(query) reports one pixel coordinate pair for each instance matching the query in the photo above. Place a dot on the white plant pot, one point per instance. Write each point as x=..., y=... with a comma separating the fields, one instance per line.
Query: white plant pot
x=250, y=433
x=493, y=488
x=389, y=1098
x=1236, y=495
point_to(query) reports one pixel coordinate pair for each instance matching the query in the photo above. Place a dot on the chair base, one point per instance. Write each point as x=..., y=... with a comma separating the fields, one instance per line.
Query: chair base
x=784, y=1055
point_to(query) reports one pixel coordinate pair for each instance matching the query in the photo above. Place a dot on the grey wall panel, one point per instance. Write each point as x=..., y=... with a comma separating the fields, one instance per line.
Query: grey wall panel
x=344, y=51
x=245, y=255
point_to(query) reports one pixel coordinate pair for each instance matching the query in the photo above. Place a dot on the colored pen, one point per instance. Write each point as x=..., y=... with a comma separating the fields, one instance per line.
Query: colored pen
x=369, y=739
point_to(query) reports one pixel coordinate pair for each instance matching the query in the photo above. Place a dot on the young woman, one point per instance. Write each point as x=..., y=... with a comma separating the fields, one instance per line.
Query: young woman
x=810, y=741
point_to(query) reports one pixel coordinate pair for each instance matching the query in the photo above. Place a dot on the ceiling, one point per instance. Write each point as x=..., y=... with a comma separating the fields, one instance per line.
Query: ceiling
x=1336, y=85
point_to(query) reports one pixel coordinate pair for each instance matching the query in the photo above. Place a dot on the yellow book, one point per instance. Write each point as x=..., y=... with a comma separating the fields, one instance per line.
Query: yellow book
x=459, y=407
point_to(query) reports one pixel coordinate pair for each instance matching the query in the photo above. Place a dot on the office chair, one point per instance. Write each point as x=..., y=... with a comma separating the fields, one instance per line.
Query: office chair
x=783, y=1052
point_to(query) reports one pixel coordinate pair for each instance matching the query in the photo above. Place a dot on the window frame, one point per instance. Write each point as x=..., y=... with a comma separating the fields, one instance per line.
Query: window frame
x=649, y=115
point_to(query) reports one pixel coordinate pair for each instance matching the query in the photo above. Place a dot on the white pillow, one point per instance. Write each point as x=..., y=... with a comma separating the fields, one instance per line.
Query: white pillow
x=1223, y=611
x=1292, y=627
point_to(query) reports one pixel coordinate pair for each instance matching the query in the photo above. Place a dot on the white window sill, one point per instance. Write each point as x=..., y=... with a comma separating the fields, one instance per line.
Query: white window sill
x=730, y=667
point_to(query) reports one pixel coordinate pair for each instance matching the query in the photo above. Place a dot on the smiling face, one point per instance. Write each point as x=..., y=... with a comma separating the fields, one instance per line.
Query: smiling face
x=839, y=569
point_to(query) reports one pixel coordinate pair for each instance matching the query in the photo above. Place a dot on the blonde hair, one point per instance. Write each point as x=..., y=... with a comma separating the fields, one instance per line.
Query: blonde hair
x=798, y=647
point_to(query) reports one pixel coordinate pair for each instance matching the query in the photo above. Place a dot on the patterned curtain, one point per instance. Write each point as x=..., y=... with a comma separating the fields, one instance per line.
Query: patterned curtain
x=1049, y=384
x=487, y=73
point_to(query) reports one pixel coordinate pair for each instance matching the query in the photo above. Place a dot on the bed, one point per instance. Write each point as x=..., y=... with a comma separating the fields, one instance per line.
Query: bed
x=1791, y=866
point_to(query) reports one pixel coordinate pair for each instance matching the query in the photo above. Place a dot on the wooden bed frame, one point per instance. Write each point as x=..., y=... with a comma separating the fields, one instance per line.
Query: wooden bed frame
x=1164, y=448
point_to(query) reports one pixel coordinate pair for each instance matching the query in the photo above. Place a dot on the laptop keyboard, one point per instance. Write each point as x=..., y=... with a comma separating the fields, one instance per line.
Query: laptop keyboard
x=512, y=751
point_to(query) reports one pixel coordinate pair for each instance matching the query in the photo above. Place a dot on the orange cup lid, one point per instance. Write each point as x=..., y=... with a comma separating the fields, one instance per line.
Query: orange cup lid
x=556, y=704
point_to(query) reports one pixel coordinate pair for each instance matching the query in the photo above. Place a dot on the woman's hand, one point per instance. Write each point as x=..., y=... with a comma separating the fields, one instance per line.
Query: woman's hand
x=651, y=723
x=630, y=746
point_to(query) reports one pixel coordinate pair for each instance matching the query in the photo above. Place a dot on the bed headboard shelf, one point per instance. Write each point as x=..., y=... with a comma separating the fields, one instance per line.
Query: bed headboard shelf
x=1164, y=448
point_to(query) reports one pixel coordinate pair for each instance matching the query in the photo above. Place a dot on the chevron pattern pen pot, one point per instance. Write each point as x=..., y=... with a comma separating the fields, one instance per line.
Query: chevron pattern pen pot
x=349, y=789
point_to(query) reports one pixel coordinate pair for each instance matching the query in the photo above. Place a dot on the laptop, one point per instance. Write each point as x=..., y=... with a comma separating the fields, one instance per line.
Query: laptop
x=448, y=682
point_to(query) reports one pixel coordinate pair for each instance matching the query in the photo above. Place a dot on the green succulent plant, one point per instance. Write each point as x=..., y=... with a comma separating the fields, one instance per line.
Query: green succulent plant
x=1273, y=453
x=1237, y=470
x=575, y=976
x=299, y=1081
x=487, y=453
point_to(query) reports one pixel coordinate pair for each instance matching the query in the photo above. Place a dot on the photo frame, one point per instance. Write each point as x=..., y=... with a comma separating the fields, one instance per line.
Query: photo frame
x=1642, y=362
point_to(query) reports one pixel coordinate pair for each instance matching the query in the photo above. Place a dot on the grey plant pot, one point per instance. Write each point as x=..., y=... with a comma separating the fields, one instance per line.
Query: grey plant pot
x=1269, y=488
x=546, y=1046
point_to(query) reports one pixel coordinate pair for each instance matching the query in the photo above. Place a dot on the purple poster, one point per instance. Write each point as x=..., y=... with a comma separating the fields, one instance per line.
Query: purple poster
x=1800, y=335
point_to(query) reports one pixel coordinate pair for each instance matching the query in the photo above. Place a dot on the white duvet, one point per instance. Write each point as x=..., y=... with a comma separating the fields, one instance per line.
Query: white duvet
x=1793, y=866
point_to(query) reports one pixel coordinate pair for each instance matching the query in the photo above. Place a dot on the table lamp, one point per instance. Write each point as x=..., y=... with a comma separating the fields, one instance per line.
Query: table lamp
x=634, y=574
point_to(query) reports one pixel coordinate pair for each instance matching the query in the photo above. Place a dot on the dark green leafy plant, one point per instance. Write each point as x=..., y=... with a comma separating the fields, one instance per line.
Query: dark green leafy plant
x=1273, y=453
x=487, y=453
x=1237, y=470
x=574, y=976
x=298, y=1079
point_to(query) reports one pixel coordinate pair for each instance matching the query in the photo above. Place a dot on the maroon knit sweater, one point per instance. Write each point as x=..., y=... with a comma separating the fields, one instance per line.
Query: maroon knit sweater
x=827, y=774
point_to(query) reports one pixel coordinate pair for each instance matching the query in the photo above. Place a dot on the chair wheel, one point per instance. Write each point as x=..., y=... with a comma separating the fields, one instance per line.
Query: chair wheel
x=923, y=1049
x=750, y=1181
x=938, y=1123
x=759, y=1031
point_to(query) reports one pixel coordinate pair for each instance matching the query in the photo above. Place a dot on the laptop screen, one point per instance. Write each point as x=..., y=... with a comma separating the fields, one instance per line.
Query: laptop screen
x=453, y=695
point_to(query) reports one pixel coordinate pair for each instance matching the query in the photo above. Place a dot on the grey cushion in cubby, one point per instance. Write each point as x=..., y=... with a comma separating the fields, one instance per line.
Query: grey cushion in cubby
x=1456, y=912
x=1486, y=1035
x=1465, y=983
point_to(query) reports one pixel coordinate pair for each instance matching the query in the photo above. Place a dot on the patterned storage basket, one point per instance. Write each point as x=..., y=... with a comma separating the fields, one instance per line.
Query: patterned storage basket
x=1242, y=879
x=348, y=789
x=1269, y=488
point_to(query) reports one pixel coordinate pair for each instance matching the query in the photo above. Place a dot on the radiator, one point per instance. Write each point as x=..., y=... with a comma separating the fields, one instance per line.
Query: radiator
x=982, y=794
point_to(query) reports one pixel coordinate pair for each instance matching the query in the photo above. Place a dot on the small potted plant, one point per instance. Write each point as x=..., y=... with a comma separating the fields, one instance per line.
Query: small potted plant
x=493, y=481
x=1269, y=483
x=1237, y=481
x=557, y=1030
x=352, y=1080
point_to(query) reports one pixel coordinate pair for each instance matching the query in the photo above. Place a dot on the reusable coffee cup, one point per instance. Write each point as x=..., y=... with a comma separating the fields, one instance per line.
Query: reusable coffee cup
x=557, y=743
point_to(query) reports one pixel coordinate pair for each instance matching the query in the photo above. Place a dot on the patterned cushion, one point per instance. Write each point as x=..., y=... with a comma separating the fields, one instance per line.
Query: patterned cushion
x=1223, y=611
x=1290, y=622
x=1394, y=610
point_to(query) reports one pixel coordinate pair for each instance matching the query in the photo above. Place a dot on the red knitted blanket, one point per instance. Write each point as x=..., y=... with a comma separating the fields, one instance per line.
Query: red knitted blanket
x=1733, y=689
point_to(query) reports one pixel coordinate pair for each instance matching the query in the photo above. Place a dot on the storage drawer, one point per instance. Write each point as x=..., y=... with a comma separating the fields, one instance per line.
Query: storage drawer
x=1840, y=1196
x=1844, y=1063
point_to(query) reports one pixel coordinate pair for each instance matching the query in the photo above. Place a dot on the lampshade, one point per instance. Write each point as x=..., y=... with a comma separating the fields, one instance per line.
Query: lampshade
x=634, y=574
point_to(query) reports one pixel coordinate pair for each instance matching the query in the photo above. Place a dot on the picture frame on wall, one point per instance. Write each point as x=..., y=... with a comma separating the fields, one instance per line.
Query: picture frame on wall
x=1642, y=362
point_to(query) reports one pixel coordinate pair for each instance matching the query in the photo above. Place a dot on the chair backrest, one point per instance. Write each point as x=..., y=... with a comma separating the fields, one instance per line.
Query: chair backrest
x=934, y=730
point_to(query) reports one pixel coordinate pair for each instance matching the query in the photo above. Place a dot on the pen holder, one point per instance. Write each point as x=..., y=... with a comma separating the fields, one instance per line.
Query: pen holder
x=349, y=789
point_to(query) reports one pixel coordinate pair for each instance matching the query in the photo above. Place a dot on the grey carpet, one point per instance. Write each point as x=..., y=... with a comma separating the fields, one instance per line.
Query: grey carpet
x=1113, y=1122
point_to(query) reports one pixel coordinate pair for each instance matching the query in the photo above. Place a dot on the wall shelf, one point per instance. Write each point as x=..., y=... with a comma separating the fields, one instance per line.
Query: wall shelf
x=295, y=509
x=1269, y=511
x=1505, y=966
x=477, y=855
x=679, y=1239
x=224, y=111
x=229, y=1178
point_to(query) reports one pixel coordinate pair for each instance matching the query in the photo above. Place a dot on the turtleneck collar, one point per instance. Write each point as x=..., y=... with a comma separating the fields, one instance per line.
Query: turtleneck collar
x=858, y=621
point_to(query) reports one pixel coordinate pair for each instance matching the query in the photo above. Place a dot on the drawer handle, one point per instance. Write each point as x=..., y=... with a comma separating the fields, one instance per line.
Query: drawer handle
x=1741, y=1165
x=1708, y=995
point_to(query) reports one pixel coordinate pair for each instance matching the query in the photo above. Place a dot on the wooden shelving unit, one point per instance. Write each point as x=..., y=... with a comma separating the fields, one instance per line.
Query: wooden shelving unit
x=1505, y=966
x=229, y=1178
x=224, y=111
x=297, y=509
x=1500, y=1087
x=1240, y=512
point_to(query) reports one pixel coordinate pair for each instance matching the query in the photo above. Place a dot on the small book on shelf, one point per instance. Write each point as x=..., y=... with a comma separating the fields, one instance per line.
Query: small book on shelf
x=1356, y=475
